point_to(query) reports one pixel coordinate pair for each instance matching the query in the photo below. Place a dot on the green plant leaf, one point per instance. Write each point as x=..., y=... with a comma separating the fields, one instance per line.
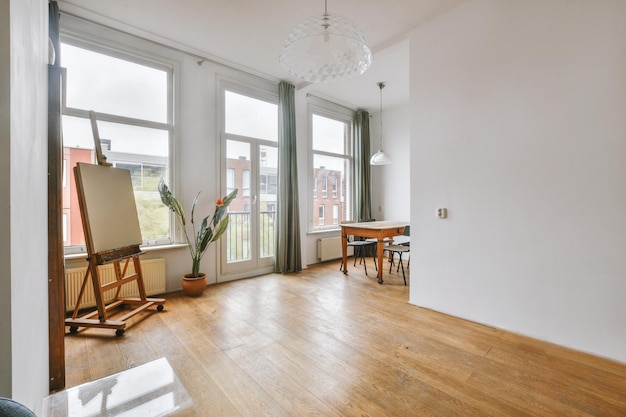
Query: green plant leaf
x=211, y=227
x=221, y=229
x=170, y=201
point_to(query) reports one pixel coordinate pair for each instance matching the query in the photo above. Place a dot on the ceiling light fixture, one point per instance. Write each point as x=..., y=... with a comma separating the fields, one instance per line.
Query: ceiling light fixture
x=380, y=157
x=325, y=48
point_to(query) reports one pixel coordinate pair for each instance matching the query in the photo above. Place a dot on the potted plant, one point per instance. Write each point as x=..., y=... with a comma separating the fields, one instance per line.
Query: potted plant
x=211, y=228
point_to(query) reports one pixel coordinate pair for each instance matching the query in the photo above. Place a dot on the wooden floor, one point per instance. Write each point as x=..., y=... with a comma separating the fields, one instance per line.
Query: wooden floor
x=321, y=343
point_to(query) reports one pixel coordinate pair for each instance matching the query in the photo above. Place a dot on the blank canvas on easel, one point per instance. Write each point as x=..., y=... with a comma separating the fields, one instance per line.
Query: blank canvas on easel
x=109, y=206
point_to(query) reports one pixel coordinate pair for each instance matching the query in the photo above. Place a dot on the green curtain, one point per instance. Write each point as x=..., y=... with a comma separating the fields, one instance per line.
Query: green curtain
x=362, y=174
x=53, y=29
x=288, y=252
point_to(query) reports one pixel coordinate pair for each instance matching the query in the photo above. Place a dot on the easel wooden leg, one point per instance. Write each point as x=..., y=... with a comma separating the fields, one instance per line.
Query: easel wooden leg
x=122, y=277
x=140, y=284
x=97, y=290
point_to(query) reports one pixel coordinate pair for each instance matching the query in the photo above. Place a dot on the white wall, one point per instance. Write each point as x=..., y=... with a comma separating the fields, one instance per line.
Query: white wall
x=391, y=184
x=23, y=161
x=518, y=128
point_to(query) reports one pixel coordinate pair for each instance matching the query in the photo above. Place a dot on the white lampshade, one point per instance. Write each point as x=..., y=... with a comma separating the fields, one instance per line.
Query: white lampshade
x=380, y=158
x=325, y=48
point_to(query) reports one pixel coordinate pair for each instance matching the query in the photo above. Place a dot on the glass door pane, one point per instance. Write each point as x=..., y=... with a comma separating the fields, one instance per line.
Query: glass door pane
x=239, y=232
x=268, y=192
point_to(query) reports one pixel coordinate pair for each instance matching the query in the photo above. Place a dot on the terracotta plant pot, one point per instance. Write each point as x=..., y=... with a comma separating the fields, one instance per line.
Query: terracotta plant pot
x=194, y=286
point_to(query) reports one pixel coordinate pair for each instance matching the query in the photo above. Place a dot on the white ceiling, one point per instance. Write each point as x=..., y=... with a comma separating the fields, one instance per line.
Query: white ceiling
x=249, y=34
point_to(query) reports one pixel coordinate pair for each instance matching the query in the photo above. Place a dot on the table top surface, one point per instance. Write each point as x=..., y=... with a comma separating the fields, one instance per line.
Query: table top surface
x=383, y=224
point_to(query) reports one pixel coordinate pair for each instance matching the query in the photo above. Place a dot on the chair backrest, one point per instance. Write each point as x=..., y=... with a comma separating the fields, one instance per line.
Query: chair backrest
x=407, y=230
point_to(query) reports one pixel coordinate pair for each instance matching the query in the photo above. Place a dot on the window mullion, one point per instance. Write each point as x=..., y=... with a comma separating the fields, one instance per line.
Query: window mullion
x=106, y=117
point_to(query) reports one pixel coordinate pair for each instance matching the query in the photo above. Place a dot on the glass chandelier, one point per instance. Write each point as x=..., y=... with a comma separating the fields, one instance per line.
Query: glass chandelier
x=380, y=157
x=325, y=48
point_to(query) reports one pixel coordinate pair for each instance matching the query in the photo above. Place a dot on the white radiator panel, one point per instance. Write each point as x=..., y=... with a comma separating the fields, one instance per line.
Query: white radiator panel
x=153, y=271
x=330, y=248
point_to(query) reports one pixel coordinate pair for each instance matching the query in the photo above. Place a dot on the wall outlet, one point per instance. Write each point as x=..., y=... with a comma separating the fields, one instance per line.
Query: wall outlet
x=442, y=213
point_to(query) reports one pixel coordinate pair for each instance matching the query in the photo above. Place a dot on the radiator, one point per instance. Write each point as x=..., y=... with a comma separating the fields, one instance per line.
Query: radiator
x=153, y=271
x=330, y=248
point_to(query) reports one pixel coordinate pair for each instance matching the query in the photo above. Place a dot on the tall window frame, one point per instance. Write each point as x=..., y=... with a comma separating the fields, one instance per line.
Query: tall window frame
x=248, y=244
x=319, y=173
x=91, y=37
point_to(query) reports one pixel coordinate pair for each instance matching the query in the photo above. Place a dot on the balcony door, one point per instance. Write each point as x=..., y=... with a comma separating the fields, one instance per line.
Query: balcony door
x=250, y=136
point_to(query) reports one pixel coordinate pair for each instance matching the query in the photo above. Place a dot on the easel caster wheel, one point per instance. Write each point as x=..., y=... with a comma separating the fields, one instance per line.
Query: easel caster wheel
x=73, y=329
x=160, y=307
x=119, y=332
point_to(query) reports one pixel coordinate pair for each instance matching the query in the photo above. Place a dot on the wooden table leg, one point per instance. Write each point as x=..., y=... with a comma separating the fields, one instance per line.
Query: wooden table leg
x=380, y=249
x=344, y=252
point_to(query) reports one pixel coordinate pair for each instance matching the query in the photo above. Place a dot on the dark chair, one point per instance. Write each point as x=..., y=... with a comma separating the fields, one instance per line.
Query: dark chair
x=10, y=408
x=374, y=252
x=360, y=248
x=360, y=251
x=399, y=250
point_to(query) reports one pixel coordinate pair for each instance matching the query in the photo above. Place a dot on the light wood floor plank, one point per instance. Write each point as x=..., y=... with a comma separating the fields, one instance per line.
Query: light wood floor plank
x=296, y=399
x=321, y=343
x=207, y=396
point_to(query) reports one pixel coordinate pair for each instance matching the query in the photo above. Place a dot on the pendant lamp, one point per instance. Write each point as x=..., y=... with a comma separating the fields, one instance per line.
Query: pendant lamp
x=380, y=157
x=325, y=48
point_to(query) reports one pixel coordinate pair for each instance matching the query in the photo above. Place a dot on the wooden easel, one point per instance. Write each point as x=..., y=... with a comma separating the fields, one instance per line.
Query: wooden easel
x=112, y=235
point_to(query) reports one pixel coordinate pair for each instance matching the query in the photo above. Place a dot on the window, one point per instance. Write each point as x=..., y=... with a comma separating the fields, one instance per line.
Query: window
x=250, y=136
x=64, y=220
x=132, y=97
x=272, y=184
x=269, y=184
x=331, y=144
x=145, y=177
x=230, y=180
x=246, y=182
x=64, y=174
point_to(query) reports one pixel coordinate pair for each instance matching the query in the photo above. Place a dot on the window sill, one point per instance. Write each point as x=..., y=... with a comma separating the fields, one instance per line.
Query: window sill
x=144, y=249
x=324, y=232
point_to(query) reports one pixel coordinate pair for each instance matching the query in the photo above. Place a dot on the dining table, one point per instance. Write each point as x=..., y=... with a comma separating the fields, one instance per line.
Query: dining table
x=379, y=230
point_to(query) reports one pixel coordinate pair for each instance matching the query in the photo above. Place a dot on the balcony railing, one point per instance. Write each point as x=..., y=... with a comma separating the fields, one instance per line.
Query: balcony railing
x=238, y=235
